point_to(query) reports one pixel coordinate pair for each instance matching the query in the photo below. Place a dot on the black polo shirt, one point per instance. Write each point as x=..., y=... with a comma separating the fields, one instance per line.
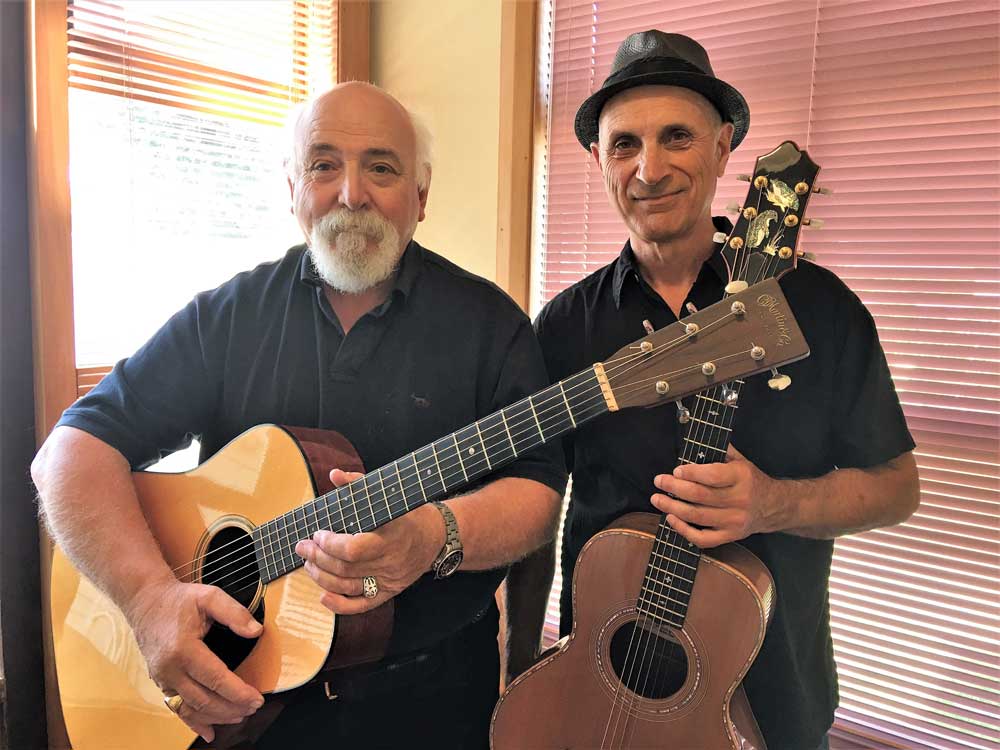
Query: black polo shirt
x=445, y=349
x=841, y=410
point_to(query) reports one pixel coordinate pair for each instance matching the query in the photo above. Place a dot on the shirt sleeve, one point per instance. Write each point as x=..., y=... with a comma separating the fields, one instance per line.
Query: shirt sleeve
x=522, y=373
x=154, y=402
x=869, y=428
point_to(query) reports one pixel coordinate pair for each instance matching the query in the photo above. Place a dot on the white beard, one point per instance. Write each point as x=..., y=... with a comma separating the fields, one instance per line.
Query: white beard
x=340, y=253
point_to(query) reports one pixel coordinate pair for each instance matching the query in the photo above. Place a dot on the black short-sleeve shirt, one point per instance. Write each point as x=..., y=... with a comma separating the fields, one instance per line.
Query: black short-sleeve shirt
x=841, y=410
x=445, y=349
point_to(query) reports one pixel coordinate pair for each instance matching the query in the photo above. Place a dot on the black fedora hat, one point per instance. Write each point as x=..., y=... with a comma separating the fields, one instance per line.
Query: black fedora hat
x=649, y=58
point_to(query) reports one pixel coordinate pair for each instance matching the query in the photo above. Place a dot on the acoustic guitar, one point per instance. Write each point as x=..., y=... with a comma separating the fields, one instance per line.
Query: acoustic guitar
x=234, y=521
x=663, y=634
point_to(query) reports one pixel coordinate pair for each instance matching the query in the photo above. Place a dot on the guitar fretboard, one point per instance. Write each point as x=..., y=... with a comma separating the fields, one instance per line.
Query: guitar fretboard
x=430, y=473
x=669, y=580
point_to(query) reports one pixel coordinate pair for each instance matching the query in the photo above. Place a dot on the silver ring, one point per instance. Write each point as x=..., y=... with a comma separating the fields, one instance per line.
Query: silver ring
x=371, y=587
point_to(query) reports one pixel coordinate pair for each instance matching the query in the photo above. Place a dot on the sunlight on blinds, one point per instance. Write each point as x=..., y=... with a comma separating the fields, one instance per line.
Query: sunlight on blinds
x=176, y=145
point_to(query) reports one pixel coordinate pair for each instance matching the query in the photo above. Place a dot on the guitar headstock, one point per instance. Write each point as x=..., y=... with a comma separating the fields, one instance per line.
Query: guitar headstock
x=746, y=333
x=763, y=242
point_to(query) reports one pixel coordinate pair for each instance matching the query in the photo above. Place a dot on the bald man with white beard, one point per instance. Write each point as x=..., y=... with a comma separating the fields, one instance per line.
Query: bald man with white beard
x=362, y=331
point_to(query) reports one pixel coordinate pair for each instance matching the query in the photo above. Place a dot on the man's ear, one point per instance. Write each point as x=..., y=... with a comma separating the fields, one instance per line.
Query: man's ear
x=422, y=195
x=595, y=151
x=724, y=146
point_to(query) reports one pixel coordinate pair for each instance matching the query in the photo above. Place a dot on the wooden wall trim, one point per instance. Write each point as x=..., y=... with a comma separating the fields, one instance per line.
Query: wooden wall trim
x=518, y=35
x=49, y=213
x=353, y=40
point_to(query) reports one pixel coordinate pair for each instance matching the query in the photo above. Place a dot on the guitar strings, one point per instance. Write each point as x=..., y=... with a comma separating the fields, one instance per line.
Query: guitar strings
x=614, y=371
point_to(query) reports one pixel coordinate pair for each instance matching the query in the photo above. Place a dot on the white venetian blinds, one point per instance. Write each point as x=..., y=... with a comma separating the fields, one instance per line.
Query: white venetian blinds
x=899, y=102
x=176, y=115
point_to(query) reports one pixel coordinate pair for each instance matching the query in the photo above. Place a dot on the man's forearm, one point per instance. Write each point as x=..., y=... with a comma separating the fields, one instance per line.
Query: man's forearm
x=504, y=521
x=846, y=501
x=90, y=507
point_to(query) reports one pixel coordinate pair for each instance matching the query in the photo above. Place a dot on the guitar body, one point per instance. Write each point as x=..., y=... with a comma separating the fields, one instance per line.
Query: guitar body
x=108, y=699
x=685, y=685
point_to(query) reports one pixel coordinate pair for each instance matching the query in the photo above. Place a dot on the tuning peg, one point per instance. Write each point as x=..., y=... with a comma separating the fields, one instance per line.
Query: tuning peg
x=814, y=223
x=683, y=415
x=823, y=190
x=729, y=396
x=778, y=381
x=733, y=208
x=744, y=177
x=648, y=326
x=719, y=237
x=804, y=254
x=689, y=306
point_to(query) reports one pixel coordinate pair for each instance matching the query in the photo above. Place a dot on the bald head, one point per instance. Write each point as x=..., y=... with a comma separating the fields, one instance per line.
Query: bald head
x=360, y=107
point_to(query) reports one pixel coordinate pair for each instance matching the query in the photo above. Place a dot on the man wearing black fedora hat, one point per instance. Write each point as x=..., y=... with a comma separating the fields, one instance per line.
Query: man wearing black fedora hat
x=829, y=456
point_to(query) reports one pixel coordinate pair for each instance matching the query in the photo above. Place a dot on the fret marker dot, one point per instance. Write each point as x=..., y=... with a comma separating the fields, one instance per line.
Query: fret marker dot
x=471, y=451
x=428, y=473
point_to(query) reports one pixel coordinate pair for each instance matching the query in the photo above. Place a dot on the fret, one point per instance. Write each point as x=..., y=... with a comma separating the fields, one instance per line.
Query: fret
x=260, y=554
x=553, y=410
x=585, y=394
x=301, y=528
x=458, y=452
x=486, y=453
x=676, y=561
x=703, y=445
x=520, y=420
x=566, y=401
x=711, y=424
x=280, y=541
x=358, y=518
x=385, y=495
x=652, y=603
x=449, y=464
x=660, y=618
x=499, y=447
x=409, y=482
x=507, y=428
x=658, y=588
x=394, y=495
x=470, y=447
x=538, y=424
x=713, y=400
x=345, y=501
x=366, y=500
x=431, y=481
x=381, y=513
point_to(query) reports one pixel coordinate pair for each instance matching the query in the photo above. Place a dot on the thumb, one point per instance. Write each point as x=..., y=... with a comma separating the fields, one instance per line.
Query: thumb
x=339, y=477
x=225, y=610
x=732, y=454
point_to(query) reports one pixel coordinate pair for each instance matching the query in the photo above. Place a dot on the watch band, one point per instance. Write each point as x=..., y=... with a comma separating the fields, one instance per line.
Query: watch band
x=452, y=543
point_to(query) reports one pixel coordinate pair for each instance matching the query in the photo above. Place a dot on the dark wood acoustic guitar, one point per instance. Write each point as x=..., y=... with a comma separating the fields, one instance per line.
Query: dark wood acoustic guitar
x=234, y=521
x=663, y=634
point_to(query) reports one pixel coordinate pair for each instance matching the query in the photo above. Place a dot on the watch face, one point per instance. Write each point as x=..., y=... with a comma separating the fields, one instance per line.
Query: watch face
x=450, y=563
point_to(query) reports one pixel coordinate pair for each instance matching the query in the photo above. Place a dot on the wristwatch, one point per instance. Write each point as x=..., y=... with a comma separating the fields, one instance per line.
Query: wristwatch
x=451, y=554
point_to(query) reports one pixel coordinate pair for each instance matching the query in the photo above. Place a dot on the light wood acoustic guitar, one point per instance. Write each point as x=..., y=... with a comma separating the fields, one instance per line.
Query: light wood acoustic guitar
x=663, y=634
x=233, y=522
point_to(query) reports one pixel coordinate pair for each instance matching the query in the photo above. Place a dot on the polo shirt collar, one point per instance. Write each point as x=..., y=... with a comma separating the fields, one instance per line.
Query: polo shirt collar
x=627, y=267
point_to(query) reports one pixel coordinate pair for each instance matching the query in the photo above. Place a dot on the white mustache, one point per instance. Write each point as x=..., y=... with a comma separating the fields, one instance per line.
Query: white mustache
x=368, y=223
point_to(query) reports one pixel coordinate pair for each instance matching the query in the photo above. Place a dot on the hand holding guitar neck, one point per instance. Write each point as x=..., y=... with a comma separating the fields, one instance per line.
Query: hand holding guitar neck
x=712, y=504
x=362, y=571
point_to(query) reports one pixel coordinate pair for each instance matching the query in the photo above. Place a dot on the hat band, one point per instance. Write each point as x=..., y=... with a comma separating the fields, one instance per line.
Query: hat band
x=654, y=65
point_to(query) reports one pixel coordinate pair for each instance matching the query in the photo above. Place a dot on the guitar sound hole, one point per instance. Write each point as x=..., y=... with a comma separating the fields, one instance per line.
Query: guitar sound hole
x=650, y=665
x=231, y=565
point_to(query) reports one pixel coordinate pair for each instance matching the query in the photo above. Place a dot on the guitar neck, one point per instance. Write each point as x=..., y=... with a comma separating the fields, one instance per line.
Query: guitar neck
x=434, y=471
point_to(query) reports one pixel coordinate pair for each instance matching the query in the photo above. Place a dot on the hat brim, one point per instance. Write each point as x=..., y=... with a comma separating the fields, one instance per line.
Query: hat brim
x=730, y=102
